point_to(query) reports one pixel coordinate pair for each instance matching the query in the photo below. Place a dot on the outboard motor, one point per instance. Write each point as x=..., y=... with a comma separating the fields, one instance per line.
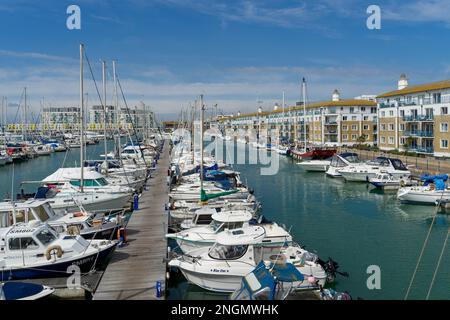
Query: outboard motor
x=331, y=267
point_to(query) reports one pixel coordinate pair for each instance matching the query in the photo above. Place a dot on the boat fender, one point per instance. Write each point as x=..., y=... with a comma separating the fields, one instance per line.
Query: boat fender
x=78, y=214
x=53, y=249
x=402, y=183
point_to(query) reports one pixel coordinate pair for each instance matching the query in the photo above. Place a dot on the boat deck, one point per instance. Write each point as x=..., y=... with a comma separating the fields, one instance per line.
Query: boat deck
x=135, y=268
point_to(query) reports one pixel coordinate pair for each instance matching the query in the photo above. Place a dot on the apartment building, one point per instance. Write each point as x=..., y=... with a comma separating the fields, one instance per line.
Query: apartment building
x=60, y=118
x=335, y=122
x=415, y=118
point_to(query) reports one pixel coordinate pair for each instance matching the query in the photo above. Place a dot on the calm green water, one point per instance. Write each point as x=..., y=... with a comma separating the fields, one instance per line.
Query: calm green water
x=354, y=226
x=39, y=168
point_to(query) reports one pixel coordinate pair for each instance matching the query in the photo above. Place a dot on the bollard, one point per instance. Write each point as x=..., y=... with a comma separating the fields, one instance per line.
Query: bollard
x=123, y=234
x=158, y=289
x=136, y=202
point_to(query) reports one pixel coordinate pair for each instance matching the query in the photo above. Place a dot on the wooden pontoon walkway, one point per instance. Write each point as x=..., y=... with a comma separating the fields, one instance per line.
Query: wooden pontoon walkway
x=135, y=268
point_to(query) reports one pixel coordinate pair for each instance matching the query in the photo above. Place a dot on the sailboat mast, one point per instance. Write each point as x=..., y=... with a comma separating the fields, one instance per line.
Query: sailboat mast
x=282, y=107
x=201, y=140
x=81, y=119
x=304, y=112
x=193, y=131
x=24, y=110
x=116, y=107
x=105, y=111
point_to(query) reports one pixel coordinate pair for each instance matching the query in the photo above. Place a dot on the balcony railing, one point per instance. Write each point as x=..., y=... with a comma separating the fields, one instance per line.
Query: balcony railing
x=418, y=133
x=427, y=117
x=331, y=123
x=416, y=102
x=421, y=149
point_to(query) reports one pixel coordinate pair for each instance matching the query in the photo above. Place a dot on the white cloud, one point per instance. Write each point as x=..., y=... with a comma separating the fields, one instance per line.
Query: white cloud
x=418, y=11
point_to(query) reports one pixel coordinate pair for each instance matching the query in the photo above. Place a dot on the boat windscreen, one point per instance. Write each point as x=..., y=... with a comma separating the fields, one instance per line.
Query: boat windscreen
x=398, y=164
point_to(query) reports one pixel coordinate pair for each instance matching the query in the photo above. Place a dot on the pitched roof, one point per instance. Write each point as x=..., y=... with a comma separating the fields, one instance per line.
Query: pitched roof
x=329, y=103
x=445, y=84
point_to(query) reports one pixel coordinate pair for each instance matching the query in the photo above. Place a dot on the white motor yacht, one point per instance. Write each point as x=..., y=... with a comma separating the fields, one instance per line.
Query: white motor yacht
x=34, y=250
x=370, y=169
x=236, y=253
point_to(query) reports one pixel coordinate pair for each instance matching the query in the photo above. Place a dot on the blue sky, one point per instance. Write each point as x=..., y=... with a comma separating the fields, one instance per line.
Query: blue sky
x=235, y=52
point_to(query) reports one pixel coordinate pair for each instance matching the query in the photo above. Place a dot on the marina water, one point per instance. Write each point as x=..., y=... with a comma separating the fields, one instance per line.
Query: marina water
x=354, y=225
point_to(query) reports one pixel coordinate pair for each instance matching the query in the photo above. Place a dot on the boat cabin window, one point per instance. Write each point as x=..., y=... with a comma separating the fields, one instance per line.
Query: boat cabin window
x=46, y=237
x=26, y=243
x=21, y=215
x=398, y=164
x=41, y=213
x=203, y=219
x=102, y=182
x=221, y=252
x=216, y=226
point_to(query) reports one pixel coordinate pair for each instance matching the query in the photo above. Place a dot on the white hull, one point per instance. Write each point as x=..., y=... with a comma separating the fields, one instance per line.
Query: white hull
x=365, y=176
x=333, y=172
x=417, y=195
x=314, y=166
x=90, y=203
x=226, y=279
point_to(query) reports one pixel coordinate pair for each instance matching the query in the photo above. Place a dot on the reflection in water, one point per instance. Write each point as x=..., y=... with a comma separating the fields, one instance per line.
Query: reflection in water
x=354, y=225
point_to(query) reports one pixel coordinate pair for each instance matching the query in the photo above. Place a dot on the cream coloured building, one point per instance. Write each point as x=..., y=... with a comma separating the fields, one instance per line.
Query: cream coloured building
x=415, y=118
x=335, y=122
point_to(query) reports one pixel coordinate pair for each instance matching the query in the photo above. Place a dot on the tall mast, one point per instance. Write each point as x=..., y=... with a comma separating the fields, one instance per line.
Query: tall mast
x=24, y=110
x=193, y=131
x=81, y=119
x=201, y=140
x=116, y=107
x=304, y=112
x=105, y=111
x=282, y=123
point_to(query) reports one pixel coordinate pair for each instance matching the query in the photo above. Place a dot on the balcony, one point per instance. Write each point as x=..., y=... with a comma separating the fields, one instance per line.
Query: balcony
x=418, y=133
x=331, y=123
x=418, y=118
x=425, y=150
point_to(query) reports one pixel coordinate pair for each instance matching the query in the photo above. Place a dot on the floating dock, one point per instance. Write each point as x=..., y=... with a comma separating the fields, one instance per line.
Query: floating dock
x=135, y=269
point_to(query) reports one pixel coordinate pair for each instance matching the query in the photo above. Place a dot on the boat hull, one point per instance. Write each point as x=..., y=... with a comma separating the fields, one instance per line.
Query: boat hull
x=58, y=269
x=422, y=197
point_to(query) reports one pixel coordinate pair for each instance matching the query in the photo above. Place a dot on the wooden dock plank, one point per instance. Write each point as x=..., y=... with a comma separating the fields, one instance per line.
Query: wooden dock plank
x=135, y=268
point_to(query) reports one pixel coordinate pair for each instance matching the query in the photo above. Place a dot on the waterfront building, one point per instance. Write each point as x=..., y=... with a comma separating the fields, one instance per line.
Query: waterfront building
x=67, y=118
x=415, y=118
x=60, y=118
x=336, y=122
x=96, y=117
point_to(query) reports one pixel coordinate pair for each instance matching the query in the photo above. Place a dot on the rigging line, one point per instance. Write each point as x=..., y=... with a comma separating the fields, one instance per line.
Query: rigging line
x=438, y=265
x=131, y=119
x=93, y=78
x=423, y=249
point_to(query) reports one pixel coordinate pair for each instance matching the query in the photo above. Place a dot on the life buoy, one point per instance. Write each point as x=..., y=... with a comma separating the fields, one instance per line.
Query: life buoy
x=53, y=249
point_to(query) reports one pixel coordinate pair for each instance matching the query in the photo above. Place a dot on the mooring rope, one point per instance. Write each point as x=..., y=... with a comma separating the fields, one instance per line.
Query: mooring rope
x=438, y=264
x=423, y=247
